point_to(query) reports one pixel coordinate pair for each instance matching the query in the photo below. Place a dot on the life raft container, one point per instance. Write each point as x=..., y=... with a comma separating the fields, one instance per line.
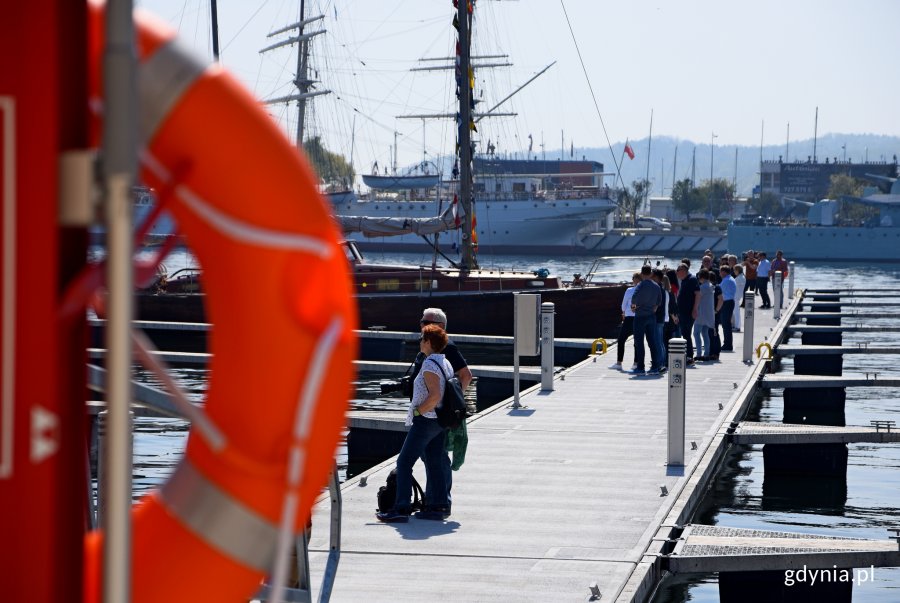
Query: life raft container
x=279, y=293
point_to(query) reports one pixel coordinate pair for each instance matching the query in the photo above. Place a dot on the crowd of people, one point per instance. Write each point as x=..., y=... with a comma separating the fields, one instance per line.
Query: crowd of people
x=661, y=303
x=703, y=307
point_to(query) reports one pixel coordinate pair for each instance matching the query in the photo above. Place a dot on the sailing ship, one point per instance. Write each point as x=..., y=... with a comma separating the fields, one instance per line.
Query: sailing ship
x=533, y=206
x=478, y=301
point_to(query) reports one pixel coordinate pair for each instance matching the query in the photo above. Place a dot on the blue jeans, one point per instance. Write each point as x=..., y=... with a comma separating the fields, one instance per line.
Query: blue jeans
x=645, y=326
x=424, y=439
x=762, y=286
x=701, y=339
x=725, y=317
x=686, y=326
x=661, y=341
x=447, y=473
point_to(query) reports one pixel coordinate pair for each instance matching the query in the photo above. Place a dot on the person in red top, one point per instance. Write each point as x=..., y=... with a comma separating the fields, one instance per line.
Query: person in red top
x=780, y=264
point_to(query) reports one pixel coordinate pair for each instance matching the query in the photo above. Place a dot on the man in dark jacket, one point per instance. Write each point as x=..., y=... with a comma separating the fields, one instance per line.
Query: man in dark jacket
x=646, y=299
x=688, y=298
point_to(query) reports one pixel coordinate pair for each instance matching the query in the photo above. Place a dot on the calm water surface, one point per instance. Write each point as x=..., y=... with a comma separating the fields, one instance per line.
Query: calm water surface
x=863, y=506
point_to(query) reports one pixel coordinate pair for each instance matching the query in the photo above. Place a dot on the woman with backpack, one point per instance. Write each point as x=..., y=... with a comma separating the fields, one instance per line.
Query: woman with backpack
x=425, y=436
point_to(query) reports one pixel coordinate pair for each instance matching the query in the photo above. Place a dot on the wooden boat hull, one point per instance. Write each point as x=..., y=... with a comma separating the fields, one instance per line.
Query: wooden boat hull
x=588, y=312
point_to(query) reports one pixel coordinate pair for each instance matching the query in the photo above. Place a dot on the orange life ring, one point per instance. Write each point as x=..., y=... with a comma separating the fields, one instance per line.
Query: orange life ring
x=283, y=343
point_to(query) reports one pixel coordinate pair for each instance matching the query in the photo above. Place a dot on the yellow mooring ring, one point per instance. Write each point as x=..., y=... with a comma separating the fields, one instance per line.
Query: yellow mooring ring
x=759, y=350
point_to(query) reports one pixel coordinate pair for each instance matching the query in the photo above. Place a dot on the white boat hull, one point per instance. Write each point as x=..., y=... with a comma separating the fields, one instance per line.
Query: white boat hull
x=503, y=225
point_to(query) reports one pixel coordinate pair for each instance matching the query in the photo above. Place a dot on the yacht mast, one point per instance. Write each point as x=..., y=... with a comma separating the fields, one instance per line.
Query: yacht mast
x=464, y=79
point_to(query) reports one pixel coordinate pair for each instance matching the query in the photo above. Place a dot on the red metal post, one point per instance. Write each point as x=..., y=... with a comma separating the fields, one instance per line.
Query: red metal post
x=43, y=108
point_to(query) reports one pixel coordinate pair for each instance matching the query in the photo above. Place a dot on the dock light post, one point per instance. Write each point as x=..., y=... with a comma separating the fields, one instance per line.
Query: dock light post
x=791, y=269
x=749, y=305
x=777, y=294
x=526, y=341
x=712, y=153
x=548, y=312
x=677, y=374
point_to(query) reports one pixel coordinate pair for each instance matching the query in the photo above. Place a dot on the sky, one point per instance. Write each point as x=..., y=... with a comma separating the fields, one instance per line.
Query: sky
x=717, y=71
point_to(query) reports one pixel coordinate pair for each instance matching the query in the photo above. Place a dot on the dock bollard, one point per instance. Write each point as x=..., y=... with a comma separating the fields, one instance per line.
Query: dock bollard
x=548, y=312
x=677, y=374
x=777, y=294
x=791, y=270
x=749, y=305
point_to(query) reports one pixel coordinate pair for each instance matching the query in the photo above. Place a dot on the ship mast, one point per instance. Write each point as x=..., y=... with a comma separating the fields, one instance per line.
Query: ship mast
x=464, y=79
x=301, y=79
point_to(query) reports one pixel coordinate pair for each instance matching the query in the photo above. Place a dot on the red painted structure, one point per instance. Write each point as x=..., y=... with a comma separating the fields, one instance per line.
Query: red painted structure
x=43, y=112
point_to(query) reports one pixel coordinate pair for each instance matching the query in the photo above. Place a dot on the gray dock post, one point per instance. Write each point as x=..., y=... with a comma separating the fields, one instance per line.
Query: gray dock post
x=791, y=270
x=677, y=374
x=103, y=465
x=749, y=309
x=526, y=341
x=778, y=293
x=548, y=313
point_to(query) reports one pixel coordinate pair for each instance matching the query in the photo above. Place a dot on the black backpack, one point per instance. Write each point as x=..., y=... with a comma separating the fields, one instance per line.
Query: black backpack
x=387, y=494
x=452, y=412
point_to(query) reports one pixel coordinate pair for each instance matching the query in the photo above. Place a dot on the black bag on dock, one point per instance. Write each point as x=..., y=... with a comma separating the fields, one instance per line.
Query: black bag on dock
x=387, y=494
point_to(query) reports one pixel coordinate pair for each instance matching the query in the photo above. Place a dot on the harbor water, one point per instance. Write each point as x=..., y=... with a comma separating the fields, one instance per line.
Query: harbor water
x=865, y=505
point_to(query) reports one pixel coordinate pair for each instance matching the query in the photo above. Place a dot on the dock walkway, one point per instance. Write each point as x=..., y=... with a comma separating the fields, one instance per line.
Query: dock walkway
x=553, y=497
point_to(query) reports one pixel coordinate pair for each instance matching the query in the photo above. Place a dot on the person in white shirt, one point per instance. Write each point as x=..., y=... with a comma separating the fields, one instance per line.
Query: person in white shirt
x=741, y=282
x=627, y=328
x=762, y=280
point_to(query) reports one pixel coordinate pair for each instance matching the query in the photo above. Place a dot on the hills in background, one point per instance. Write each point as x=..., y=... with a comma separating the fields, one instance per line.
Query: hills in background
x=663, y=159
x=664, y=164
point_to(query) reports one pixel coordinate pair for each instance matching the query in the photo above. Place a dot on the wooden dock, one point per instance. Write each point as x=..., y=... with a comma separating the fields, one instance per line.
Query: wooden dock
x=568, y=491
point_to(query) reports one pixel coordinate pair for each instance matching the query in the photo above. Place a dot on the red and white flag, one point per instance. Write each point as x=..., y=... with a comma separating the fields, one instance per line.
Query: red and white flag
x=456, y=220
x=629, y=151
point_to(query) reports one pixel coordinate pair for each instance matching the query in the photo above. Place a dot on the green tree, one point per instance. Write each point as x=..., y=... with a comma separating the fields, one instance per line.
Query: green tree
x=686, y=199
x=843, y=185
x=630, y=200
x=331, y=167
x=767, y=204
x=641, y=190
x=719, y=196
x=628, y=203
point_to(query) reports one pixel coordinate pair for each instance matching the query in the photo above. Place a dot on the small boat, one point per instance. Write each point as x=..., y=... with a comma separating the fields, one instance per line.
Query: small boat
x=397, y=183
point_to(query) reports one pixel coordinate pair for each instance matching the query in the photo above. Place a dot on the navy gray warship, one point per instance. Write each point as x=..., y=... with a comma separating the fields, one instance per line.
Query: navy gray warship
x=824, y=237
